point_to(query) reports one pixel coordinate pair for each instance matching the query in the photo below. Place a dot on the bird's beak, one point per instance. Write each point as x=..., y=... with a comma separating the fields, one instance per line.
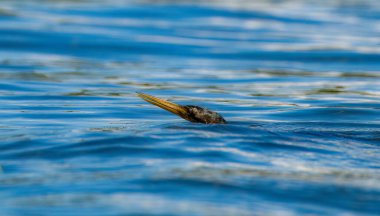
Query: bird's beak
x=166, y=105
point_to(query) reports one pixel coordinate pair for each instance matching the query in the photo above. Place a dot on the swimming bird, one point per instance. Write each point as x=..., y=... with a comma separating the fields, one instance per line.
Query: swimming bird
x=189, y=112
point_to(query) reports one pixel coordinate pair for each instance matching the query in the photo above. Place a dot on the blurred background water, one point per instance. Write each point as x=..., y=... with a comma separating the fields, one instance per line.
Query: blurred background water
x=298, y=81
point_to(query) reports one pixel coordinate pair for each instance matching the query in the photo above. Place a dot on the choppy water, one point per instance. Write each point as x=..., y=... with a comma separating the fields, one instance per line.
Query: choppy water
x=298, y=81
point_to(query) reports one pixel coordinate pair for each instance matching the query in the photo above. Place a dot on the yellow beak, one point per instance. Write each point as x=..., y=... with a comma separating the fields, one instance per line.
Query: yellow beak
x=164, y=104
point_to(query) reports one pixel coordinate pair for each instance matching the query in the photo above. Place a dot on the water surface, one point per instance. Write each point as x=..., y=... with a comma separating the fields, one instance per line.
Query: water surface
x=298, y=81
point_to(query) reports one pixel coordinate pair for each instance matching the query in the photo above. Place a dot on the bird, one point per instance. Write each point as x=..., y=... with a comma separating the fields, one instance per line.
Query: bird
x=190, y=113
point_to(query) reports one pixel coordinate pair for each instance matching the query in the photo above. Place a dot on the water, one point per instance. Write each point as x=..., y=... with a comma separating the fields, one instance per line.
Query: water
x=298, y=82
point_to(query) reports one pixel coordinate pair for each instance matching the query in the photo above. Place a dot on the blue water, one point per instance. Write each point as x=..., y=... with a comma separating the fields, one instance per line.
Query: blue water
x=298, y=82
